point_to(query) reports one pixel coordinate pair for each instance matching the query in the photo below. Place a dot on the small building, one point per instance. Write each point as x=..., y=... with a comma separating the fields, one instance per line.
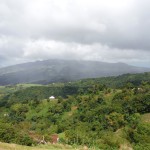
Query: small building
x=6, y=115
x=54, y=138
x=51, y=97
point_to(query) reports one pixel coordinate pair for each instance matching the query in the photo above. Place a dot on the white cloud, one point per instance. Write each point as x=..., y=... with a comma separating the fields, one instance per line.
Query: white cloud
x=76, y=29
x=45, y=49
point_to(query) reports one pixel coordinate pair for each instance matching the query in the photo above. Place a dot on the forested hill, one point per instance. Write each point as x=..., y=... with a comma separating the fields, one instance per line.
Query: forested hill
x=50, y=71
x=110, y=116
x=119, y=81
x=72, y=88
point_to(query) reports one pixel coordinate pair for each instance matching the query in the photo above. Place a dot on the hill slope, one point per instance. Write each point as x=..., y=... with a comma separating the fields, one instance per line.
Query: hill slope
x=7, y=146
x=50, y=71
x=84, y=113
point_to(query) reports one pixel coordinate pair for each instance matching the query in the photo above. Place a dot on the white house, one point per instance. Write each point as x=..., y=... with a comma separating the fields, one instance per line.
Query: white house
x=51, y=97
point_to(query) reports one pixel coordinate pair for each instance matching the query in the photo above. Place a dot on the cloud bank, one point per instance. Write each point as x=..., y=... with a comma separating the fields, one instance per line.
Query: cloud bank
x=112, y=31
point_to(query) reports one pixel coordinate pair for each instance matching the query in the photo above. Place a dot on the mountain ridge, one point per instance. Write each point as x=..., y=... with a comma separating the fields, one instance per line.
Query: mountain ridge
x=53, y=70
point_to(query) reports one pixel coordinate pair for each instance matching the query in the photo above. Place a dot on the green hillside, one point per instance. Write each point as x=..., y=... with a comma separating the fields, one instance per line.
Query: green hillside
x=103, y=113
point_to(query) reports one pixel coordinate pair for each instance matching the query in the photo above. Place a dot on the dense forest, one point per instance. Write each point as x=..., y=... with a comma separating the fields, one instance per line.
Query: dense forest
x=103, y=113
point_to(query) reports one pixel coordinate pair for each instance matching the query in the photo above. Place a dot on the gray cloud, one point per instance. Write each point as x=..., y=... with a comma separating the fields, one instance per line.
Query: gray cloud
x=75, y=29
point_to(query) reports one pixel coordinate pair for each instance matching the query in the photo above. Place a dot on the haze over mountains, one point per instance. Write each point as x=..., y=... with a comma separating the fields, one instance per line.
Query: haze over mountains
x=49, y=71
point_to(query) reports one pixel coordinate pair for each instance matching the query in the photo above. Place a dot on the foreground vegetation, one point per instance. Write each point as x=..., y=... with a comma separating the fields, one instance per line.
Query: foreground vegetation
x=106, y=113
x=6, y=146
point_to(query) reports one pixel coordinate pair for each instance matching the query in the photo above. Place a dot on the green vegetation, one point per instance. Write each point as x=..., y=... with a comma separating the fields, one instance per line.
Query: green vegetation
x=105, y=113
x=119, y=81
x=5, y=146
x=13, y=88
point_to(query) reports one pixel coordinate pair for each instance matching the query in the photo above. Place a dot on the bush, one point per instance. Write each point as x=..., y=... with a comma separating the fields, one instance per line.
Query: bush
x=7, y=133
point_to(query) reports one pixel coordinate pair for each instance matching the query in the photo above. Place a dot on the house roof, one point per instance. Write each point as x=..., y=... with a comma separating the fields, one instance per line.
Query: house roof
x=51, y=97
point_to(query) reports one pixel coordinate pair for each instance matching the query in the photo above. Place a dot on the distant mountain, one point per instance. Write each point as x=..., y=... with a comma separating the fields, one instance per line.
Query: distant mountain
x=49, y=71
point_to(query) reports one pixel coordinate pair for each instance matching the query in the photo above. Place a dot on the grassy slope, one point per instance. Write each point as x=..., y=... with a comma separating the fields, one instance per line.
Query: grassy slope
x=146, y=118
x=14, y=88
x=6, y=146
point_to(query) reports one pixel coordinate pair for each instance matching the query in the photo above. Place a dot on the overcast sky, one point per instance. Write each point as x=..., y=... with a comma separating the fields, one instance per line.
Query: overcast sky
x=102, y=30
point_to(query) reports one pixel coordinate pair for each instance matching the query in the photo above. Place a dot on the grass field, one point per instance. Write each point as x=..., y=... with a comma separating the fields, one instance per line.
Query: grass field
x=13, y=88
x=6, y=146
x=146, y=118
